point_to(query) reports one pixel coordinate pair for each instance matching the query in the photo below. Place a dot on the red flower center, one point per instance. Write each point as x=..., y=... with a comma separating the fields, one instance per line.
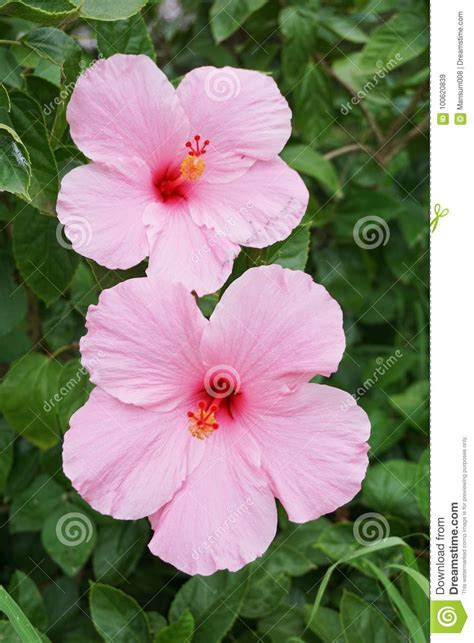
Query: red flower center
x=171, y=184
x=222, y=388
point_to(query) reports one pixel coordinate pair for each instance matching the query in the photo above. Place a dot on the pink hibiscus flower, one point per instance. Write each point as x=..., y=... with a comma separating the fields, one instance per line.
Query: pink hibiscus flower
x=199, y=424
x=182, y=176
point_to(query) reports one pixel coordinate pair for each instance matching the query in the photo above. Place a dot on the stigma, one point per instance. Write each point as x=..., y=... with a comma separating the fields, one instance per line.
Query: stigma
x=193, y=166
x=202, y=423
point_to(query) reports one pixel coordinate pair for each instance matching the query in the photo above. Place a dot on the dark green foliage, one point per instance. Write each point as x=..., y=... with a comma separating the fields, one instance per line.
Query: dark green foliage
x=355, y=74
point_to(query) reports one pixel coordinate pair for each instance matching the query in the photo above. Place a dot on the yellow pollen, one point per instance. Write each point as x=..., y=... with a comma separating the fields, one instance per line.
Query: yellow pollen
x=203, y=423
x=192, y=168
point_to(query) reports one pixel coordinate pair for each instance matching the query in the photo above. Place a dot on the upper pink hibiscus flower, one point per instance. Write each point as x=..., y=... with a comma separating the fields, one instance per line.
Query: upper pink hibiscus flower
x=180, y=176
x=200, y=423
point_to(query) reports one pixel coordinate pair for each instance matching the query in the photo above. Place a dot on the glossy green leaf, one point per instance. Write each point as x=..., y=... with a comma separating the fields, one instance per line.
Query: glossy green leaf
x=117, y=616
x=214, y=602
x=69, y=537
x=124, y=36
x=109, y=9
x=45, y=264
x=15, y=167
x=181, y=631
x=395, y=42
x=50, y=12
x=305, y=160
x=17, y=618
x=24, y=393
x=25, y=592
x=361, y=622
x=226, y=16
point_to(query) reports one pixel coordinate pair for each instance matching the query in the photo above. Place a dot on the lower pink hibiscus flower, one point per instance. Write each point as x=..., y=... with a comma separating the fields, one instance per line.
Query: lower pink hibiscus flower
x=199, y=424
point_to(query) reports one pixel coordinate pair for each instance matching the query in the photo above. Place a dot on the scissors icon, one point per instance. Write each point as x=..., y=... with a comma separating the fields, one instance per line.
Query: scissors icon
x=439, y=214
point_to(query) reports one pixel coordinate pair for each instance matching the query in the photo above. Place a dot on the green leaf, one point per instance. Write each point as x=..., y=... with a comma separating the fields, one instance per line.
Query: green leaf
x=291, y=252
x=229, y=15
x=119, y=548
x=31, y=506
x=124, y=36
x=10, y=72
x=117, y=616
x=49, y=12
x=413, y=404
x=214, y=602
x=423, y=485
x=12, y=297
x=298, y=26
x=312, y=104
x=15, y=167
x=52, y=44
x=390, y=487
x=305, y=160
x=25, y=592
x=7, y=436
x=45, y=265
x=403, y=37
x=5, y=103
x=327, y=626
x=73, y=391
x=69, y=537
x=345, y=27
x=17, y=618
x=181, y=631
x=109, y=9
x=265, y=590
x=31, y=381
x=361, y=622
x=28, y=121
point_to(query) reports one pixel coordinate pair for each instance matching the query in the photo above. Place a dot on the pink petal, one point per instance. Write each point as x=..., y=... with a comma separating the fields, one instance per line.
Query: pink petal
x=257, y=209
x=314, y=449
x=142, y=342
x=242, y=113
x=101, y=208
x=277, y=329
x=180, y=250
x=125, y=106
x=127, y=461
x=224, y=516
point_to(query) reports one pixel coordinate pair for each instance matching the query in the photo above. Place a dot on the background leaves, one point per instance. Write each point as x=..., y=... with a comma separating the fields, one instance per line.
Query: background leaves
x=355, y=75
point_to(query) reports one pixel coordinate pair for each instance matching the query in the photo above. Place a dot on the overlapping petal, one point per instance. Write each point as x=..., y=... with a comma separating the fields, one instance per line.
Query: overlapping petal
x=314, y=449
x=125, y=106
x=224, y=516
x=277, y=329
x=241, y=112
x=143, y=341
x=257, y=209
x=127, y=461
x=101, y=208
x=197, y=256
